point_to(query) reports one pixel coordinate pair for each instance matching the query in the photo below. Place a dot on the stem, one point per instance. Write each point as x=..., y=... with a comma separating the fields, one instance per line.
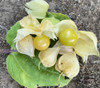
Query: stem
x=4, y=51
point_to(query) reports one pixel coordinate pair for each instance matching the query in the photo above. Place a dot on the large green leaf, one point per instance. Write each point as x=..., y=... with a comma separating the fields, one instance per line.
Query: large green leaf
x=25, y=71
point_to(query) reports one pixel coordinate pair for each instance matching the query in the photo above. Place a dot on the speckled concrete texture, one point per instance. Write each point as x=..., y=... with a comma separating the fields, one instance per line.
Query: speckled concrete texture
x=85, y=13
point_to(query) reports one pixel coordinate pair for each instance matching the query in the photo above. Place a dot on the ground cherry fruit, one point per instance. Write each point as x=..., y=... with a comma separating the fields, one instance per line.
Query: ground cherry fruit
x=68, y=37
x=41, y=42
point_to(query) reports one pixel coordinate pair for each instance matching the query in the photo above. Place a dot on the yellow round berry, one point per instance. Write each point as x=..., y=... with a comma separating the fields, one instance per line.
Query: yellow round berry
x=68, y=37
x=41, y=42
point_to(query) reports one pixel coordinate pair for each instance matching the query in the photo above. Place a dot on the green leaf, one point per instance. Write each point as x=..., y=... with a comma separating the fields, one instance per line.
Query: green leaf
x=25, y=71
x=11, y=34
x=58, y=16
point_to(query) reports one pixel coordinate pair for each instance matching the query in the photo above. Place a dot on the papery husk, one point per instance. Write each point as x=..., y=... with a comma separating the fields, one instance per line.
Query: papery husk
x=25, y=46
x=49, y=57
x=86, y=45
x=68, y=65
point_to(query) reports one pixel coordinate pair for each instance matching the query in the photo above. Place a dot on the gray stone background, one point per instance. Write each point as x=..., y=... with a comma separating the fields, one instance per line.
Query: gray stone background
x=86, y=14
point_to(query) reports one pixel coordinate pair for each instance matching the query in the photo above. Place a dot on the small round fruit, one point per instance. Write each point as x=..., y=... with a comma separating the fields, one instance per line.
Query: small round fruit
x=68, y=37
x=41, y=42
